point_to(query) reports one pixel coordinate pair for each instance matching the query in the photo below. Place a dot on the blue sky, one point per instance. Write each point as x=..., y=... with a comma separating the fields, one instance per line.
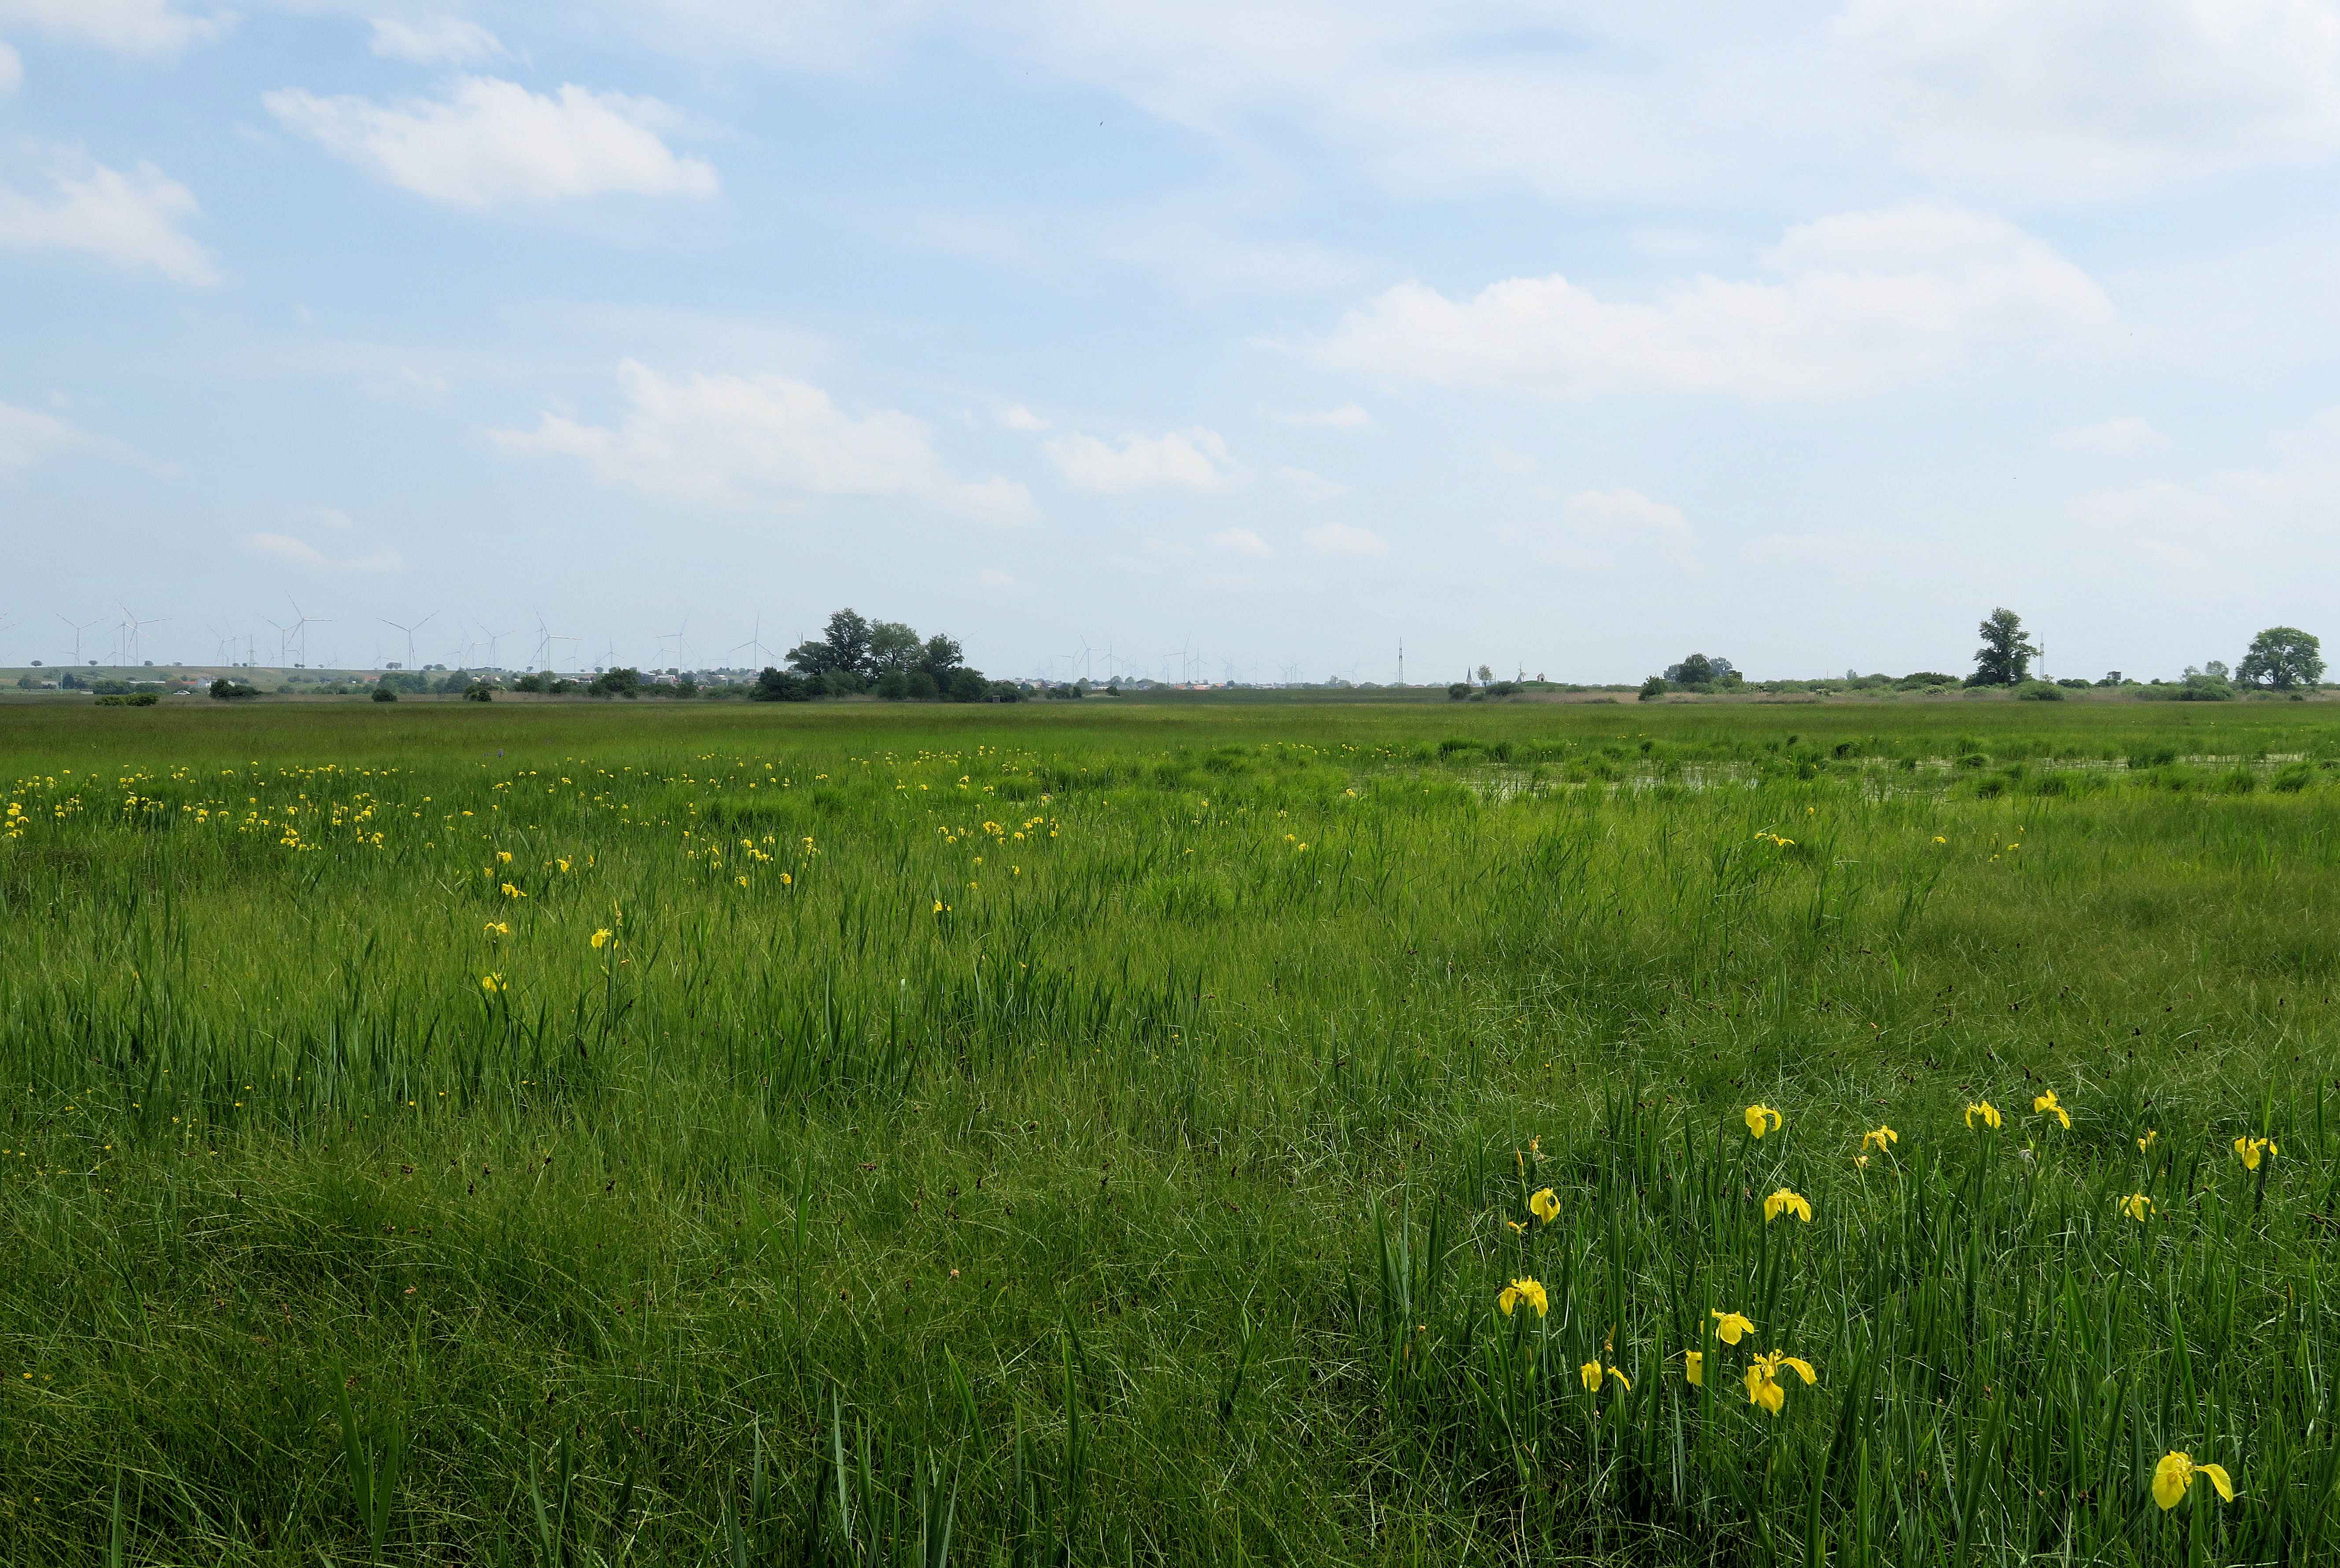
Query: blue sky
x=1249, y=339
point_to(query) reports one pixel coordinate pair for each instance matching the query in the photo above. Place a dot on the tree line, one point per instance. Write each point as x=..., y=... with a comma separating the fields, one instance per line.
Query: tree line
x=2280, y=659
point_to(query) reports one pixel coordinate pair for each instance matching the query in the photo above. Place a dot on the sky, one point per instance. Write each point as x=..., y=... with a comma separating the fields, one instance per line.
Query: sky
x=1172, y=336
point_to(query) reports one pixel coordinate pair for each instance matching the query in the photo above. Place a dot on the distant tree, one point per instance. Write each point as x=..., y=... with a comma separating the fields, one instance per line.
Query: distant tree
x=920, y=687
x=620, y=682
x=1485, y=674
x=385, y=693
x=478, y=692
x=2006, y=654
x=894, y=649
x=1698, y=670
x=2112, y=678
x=2282, y=658
x=1654, y=688
x=780, y=686
x=1458, y=691
x=227, y=690
x=940, y=656
x=847, y=638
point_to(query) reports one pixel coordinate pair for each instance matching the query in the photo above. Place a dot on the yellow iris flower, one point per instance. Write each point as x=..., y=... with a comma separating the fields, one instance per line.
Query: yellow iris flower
x=1877, y=1138
x=1763, y=1379
x=2250, y=1151
x=1524, y=1290
x=2045, y=1105
x=1591, y=1373
x=1762, y=1119
x=2175, y=1473
x=1786, y=1202
x=1987, y=1111
x=491, y=983
x=1729, y=1326
x=1694, y=1367
x=2145, y=1142
x=1544, y=1205
x=601, y=938
x=2137, y=1206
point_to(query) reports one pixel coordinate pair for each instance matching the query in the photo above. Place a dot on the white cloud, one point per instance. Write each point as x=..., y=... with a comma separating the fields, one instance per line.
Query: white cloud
x=1017, y=417
x=333, y=517
x=2124, y=437
x=493, y=141
x=126, y=26
x=1599, y=528
x=132, y=221
x=27, y=436
x=1862, y=300
x=2237, y=521
x=285, y=548
x=2098, y=97
x=437, y=40
x=744, y=441
x=992, y=577
x=1348, y=416
x=1193, y=460
x=1241, y=541
x=11, y=68
x=1311, y=487
x=1341, y=539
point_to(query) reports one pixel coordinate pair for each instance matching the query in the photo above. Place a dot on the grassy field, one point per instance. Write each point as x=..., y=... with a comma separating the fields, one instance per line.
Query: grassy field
x=1074, y=1134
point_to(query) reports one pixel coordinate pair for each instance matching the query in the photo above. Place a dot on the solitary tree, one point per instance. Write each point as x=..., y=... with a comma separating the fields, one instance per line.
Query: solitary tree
x=2006, y=654
x=2282, y=657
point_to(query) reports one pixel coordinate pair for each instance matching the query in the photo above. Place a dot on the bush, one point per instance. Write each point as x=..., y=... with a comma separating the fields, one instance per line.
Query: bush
x=2039, y=691
x=128, y=699
x=2074, y=683
x=227, y=690
x=1654, y=688
x=1462, y=690
x=478, y=692
x=385, y=694
x=780, y=686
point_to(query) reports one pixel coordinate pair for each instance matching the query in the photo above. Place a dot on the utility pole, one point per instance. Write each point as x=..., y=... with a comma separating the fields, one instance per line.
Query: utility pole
x=1401, y=662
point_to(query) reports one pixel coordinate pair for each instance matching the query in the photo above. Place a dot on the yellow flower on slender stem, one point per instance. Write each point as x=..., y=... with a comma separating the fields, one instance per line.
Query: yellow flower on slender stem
x=1729, y=1326
x=2175, y=1473
x=1878, y=1137
x=1762, y=1119
x=1694, y=1367
x=491, y=983
x=1786, y=1202
x=1524, y=1290
x=1591, y=1373
x=1544, y=1205
x=1763, y=1379
x=2045, y=1105
x=1984, y=1109
x=601, y=938
x=2250, y=1151
x=2145, y=1142
x=2137, y=1206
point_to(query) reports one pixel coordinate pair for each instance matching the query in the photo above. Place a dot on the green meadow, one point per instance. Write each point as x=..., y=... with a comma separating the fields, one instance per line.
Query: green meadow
x=1178, y=1133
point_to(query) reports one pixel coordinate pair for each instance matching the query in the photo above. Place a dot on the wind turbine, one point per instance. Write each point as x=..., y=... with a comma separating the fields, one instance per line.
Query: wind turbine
x=755, y=643
x=410, y=632
x=284, y=639
x=78, y=628
x=302, y=621
x=543, y=643
x=130, y=626
x=681, y=644
x=495, y=637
